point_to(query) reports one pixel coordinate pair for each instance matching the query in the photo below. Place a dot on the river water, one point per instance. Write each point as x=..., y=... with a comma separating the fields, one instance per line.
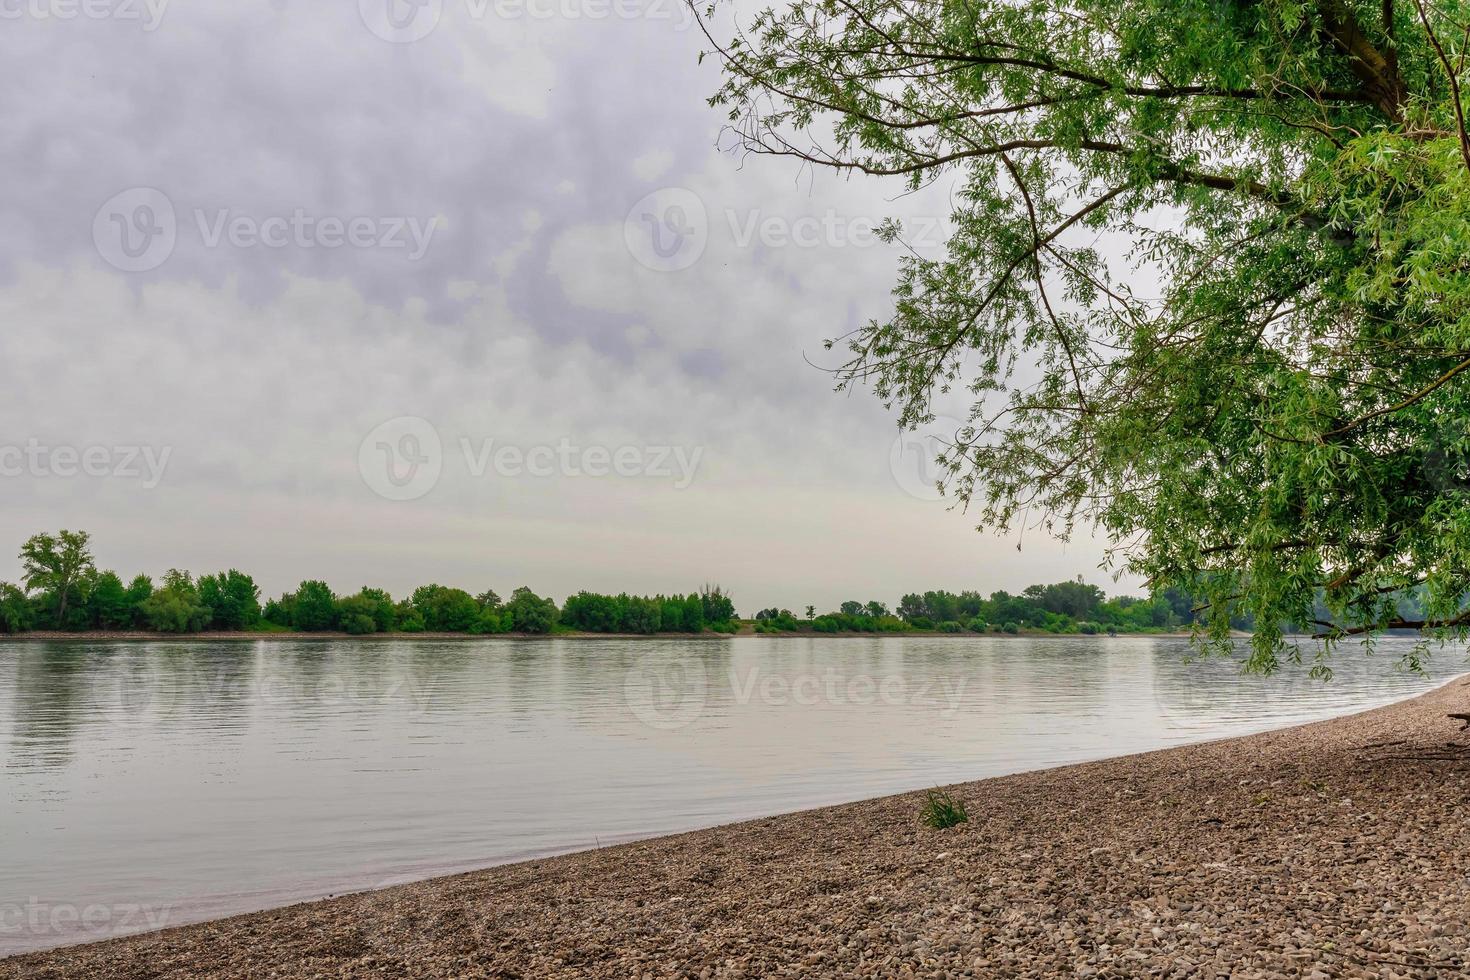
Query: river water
x=152, y=784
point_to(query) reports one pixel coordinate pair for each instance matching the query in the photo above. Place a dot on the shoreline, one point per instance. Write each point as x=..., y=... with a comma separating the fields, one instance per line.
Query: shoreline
x=143, y=636
x=1336, y=845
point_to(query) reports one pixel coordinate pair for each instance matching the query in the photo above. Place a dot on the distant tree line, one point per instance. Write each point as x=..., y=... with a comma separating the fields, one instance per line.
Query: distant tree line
x=62, y=589
x=1063, y=607
x=430, y=609
x=595, y=613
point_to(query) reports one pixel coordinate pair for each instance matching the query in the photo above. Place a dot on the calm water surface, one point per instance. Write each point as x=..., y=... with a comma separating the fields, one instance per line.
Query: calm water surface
x=149, y=784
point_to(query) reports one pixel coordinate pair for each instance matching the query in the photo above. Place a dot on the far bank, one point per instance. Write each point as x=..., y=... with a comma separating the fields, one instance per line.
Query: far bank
x=746, y=629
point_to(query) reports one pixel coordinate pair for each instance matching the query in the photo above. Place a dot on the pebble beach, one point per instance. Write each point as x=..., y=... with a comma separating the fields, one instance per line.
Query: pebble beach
x=1336, y=849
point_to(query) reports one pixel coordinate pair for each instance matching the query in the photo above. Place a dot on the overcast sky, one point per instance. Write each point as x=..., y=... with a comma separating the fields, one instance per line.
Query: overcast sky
x=459, y=292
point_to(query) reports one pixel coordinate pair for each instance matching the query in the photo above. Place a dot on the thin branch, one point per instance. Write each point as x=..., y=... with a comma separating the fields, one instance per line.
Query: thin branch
x=1417, y=396
x=1454, y=82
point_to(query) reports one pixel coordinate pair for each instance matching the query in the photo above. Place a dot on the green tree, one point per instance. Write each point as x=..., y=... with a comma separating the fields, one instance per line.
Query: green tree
x=590, y=612
x=718, y=606
x=1282, y=409
x=446, y=610
x=1007, y=608
x=911, y=607
x=54, y=564
x=139, y=589
x=358, y=614
x=492, y=619
x=314, y=608
x=693, y=614
x=107, y=603
x=1075, y=599
x=382, y=609
x=80, y=614
x=671, y=614
x=640, y=615
x=15, y=610
x=941, y=606
x=407, y=618
x=530, y=613
x=281, y=612
x=175, y=607
x=233, y=598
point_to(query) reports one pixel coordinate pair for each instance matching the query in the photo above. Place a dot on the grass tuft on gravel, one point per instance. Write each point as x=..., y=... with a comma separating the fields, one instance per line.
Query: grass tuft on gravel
x=940, y=810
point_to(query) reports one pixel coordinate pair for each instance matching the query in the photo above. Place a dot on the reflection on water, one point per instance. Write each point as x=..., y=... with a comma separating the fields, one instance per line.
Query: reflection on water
x=152, y=784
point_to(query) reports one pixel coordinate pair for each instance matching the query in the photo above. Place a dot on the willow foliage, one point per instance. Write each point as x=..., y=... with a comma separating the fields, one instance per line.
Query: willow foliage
x=1268, y=402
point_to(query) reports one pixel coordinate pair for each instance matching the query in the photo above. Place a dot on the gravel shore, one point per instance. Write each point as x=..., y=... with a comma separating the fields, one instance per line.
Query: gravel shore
x=1339, y=849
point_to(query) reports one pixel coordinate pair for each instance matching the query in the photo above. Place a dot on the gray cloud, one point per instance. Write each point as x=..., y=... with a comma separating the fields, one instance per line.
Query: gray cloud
x=535, y=315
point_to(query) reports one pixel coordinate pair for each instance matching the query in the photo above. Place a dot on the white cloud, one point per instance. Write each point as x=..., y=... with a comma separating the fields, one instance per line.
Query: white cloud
x=505, y=61
x=528, y=320
x=653, y=164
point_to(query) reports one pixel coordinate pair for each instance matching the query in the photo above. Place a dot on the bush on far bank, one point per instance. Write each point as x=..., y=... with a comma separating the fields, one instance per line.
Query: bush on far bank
x=63, y=590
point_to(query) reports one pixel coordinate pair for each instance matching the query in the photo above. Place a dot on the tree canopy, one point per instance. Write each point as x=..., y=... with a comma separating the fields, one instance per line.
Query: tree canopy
x=1207, y=287
x=55, y=564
